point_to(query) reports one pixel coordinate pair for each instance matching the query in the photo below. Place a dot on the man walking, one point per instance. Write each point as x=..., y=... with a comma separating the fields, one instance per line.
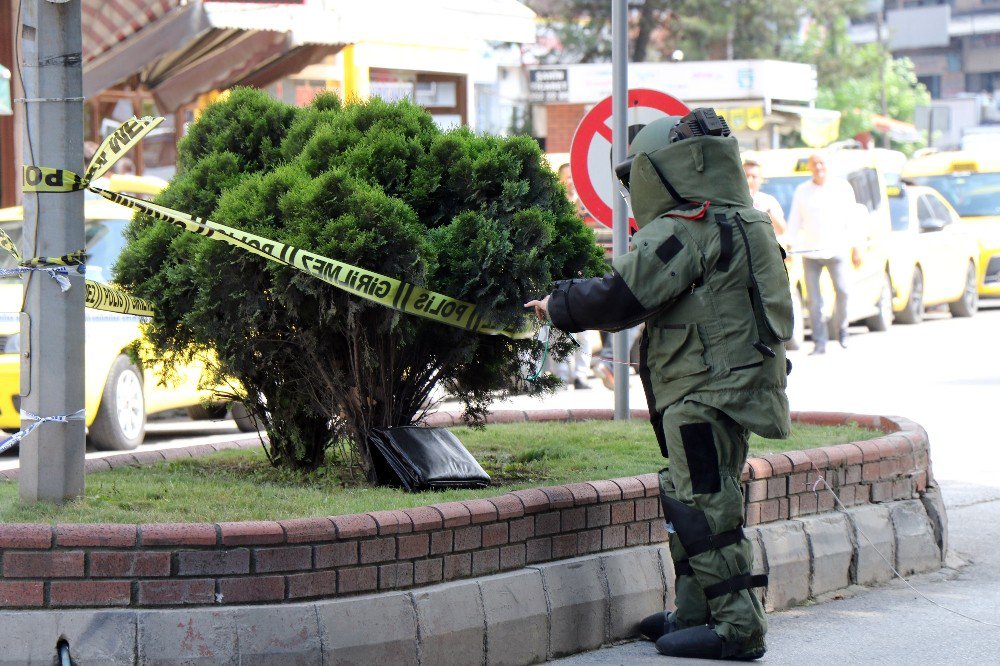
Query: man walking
x=820, y=226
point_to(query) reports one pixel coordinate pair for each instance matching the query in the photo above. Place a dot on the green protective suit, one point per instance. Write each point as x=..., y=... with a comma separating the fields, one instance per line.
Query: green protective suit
x=707, y=276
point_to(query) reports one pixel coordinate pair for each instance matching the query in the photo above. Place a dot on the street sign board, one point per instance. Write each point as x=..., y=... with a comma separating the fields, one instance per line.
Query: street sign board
x=590, y=150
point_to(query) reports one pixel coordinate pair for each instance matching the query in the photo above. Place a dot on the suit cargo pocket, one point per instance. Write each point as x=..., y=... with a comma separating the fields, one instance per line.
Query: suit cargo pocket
x=676, y=351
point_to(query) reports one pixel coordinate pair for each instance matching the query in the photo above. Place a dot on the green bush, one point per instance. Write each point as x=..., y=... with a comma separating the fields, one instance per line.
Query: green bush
x=371, y=184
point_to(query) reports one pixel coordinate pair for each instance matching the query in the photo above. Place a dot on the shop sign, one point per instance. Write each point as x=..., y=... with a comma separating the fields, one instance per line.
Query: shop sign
x=548, y=85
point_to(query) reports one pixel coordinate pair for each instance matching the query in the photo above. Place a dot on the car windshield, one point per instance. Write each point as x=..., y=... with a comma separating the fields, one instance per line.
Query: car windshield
x=899, y=211
x=972, y=194
x=105, y=241
x=782, y=189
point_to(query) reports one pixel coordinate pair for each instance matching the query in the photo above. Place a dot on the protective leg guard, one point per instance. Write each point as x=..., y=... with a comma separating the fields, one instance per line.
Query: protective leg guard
x=703, y=643
x=658, y=624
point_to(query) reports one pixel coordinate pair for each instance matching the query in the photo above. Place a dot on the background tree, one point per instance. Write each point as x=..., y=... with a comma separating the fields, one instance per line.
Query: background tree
x=374, y=185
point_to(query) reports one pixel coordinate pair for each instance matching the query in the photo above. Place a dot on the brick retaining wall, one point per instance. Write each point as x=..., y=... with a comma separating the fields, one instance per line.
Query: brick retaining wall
x=174, y=565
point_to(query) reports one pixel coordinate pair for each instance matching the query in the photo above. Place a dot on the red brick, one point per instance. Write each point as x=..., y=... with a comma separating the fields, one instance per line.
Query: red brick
x=920, y=482
x=539, y=550
x=442, y=542
x=836, y=455
x=357, y=579
x=303, y=530
x=112, y=536
x=639, y=414
x=506, y=416
x=486, y=562
x=882, y=491
x=647, y=508
x=752, y=514
x=25, y=536
x=339, y=554
x=823, y=418
x=92, y=465
x=312, y=584
x=808, y=503
x=852, y=474
x=59, y=564
x=378, y=550
x=800, y=460
x=622, y=512
x=213, y=562
x=573, y=519
x=631, y=487
x=563, y=546
x=869, y=450
x=176, y=592
x=871, y=471
x=129, y=564
x=522, y=529
x=780, y=464
x=583, y=493
x=439, y=420
x=607, y=491
x=598, y=516
x=818, y=458
x=507, y=506
x=353, y=527
x=178, y=534
x=591, y=414
x=560, y=497
x=457, y=566
x=613, y=537
x=759, y=468
x=777, y=487
x=853, y=454
x=769, y=511
x=513, y=557
x=547, y=523
x=468, y=538
x=415, y=545
x=588, y=542
x=545, y=415
x=494, y=535
x=757, y=491
x=637, y=533
x=871, y=421
x=846, y=495
x=424, y=518
x=21, y=594
x=395, y=576
x=826, y=501
x=481, y=511
x=288, y=558
x=532, y=499
x=256, y=532
x=90, y=593
x=783, y=508
x=455, y=514
x=658, y=532
x=391, y=522
x=428, y=571
x=651, y=484
x=797, y=483
x=253, y=589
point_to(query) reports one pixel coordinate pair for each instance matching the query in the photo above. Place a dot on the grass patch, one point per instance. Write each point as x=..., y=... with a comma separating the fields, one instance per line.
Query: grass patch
x=241, y=485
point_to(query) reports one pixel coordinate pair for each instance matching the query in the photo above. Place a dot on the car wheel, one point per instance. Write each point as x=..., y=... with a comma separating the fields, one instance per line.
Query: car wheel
x=968, y=304
x=120, y=424
x=245, y=421
x=798, y=323
x=913, y=311
x=211, y=411
x=882, y=320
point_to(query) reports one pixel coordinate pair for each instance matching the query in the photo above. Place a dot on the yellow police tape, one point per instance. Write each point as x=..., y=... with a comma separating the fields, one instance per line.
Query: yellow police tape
x=361, y=282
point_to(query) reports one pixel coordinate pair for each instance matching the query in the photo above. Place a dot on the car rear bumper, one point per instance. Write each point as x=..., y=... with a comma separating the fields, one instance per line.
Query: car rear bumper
x=10, y=389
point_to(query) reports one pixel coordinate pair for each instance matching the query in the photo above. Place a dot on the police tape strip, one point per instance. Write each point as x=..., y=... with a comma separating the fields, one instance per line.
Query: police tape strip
x=361, y=282
x=78, y=258
x=38, y=420
x=108, y=299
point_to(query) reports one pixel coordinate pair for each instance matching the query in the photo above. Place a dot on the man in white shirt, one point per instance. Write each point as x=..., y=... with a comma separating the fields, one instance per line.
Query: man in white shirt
x=763, y=201
x=819, y=226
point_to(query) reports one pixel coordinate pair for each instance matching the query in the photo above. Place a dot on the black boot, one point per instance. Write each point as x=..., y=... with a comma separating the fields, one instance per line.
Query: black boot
x=657, y=624
x=702, y=642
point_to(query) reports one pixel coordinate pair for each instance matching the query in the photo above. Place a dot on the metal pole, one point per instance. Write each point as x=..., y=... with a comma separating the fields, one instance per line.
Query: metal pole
x=619, y=140
x=52, y=330
x=883, y=51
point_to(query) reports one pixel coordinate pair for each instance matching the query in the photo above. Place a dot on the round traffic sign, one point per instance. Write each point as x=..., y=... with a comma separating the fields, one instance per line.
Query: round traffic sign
x=590, y=150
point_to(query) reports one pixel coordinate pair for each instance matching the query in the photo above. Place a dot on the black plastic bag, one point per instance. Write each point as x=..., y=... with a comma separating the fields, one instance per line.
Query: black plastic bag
x=424, y=459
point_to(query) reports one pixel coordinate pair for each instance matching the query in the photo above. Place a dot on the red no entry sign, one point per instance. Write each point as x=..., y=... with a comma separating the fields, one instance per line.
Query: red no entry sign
x=590, y=151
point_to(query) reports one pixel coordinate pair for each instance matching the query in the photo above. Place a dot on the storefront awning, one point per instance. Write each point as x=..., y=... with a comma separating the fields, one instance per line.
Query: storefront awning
x=817, y=127
x=897, y=130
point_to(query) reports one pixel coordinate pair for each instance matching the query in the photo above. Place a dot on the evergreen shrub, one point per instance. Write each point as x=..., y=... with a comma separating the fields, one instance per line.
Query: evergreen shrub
x=375, y=185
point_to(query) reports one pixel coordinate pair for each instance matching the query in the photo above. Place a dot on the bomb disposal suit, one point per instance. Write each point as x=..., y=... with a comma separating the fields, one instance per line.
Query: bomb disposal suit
x=707, y=276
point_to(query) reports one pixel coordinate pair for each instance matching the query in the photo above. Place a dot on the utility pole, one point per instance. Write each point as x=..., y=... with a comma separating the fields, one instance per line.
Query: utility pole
x=883, y=52
x=619, y=219
x=52, y=330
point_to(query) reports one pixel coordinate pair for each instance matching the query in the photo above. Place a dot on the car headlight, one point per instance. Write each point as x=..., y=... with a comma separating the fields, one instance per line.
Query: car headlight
x=12, y=345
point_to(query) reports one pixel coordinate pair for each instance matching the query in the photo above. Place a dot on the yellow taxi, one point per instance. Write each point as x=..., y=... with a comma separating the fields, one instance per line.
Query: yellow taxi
x=871, y=288
x=933, y=257
x=119, y=395
x=970, y=181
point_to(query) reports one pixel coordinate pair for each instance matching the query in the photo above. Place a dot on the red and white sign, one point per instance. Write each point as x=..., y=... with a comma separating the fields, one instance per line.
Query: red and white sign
x=590, y=152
